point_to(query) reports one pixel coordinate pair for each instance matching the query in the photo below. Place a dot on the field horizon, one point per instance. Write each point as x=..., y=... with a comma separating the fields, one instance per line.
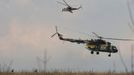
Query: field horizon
x=64, y=73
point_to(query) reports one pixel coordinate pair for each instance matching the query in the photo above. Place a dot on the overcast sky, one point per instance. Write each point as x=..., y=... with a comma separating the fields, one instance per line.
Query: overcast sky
x=26, y=27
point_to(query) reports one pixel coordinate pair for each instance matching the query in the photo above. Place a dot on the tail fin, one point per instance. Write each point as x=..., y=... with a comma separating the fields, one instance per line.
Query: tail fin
x=80, y=7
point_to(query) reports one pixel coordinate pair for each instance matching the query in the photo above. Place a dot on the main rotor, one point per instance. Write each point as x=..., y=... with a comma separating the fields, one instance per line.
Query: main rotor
x=100, y=37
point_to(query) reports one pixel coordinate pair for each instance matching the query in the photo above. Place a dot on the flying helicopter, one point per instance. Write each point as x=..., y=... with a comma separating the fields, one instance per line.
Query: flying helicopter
x=94, y=45
x=68, y=8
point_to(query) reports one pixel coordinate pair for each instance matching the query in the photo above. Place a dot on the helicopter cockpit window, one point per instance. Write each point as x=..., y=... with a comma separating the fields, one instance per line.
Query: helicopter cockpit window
x=114, y=48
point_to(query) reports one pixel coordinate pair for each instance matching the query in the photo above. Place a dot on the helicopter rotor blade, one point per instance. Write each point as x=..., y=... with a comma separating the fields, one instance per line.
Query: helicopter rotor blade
x=53, y=35
x=61, y=3
x=112, y=38
x=97, y=35
x=66, y=3
x=119, y=39
x=56, y=32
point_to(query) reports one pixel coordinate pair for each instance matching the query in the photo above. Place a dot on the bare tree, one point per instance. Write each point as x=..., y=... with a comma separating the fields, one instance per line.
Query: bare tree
x=38, y=63
x=130, y=12
x=114, y=67
x=122, y=61
x=44, y=61
x=6, y=67
x=132, y=65
x=131, y=16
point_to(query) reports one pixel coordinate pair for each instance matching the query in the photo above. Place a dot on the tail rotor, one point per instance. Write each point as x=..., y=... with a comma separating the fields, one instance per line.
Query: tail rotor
x=55, y=33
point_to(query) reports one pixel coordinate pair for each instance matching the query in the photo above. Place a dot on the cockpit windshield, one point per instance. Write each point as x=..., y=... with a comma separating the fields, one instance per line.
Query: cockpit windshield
x=114, y=49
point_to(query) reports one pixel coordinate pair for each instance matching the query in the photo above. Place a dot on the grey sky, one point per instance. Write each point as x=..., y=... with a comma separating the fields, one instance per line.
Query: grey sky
x=26, y=27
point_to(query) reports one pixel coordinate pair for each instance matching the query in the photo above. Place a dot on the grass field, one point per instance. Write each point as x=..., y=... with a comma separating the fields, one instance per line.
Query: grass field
x=64, y=73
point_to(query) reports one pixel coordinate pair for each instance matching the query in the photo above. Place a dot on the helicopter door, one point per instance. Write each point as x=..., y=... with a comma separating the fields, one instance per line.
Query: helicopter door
x=103, y=47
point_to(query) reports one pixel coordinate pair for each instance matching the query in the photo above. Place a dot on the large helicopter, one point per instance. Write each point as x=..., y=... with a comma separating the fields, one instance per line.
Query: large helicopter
x=94, y=45
x=68, y=8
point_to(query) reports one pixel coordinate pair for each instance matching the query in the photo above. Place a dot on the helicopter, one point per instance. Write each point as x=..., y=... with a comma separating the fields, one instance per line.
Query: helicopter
x=68, y=8
x=94, y=45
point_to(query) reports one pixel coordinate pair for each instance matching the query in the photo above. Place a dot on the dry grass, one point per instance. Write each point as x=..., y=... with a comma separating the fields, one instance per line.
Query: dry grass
x=64, y=73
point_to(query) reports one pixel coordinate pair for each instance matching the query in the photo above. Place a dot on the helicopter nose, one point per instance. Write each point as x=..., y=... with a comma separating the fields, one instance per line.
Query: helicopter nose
x=116, y=50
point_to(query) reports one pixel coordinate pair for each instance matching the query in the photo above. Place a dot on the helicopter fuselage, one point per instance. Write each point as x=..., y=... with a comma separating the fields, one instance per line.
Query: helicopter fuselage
x=107, y=47
x=70, y=9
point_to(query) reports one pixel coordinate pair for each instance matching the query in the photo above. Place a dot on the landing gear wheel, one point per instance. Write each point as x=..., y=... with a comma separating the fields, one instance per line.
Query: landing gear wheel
x=92, y=52
x=97, y=53
x=109, y=55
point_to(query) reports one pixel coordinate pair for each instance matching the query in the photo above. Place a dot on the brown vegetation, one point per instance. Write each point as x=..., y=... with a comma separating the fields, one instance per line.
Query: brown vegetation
x=64, y=73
